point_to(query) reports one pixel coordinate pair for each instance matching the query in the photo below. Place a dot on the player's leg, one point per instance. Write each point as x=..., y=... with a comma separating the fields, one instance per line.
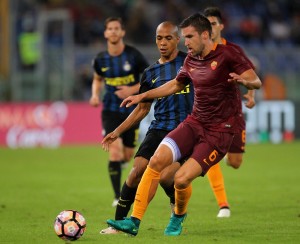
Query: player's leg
x=167, y=182
x=130, y=140
x=128, y=192
x=216, y=181
x=142, y=157
x=190, y=170
x=146, y=191
x=234, y=157
x=110, y=121
x=208, y=149
x=114, y=167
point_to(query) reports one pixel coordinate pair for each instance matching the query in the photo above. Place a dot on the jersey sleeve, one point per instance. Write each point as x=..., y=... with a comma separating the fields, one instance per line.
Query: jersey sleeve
x=145, y=86
x=96, y=66
x=242, y=53
x=238, y=62
x=183, y=76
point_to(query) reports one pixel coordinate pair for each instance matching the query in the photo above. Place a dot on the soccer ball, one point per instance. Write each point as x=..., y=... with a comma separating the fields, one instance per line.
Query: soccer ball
x=69, y=225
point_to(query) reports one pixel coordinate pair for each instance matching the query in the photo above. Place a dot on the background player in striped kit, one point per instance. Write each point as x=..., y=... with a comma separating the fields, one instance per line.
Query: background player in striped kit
x=117, y=72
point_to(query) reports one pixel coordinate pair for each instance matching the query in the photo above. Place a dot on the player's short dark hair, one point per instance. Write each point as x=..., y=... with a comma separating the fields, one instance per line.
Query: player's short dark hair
x=213, y=12
x=198, y=21
x=110, y=19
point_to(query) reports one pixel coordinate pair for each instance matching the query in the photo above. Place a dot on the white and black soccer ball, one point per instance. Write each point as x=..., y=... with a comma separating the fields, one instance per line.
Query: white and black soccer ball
x=69, y=225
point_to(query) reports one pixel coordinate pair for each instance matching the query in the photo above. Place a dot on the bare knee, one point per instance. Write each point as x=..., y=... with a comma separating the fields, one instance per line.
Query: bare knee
x=181, y=182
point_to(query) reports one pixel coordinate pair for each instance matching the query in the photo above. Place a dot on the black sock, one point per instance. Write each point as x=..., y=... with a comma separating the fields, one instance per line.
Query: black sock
x=114, y=169
x=125, y=201
x=170, y=192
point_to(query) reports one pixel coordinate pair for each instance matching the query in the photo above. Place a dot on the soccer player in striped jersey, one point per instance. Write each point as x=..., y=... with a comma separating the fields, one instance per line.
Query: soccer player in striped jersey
x=206, y=134
x=169, y=111
x=234, y=156
x=117, y=72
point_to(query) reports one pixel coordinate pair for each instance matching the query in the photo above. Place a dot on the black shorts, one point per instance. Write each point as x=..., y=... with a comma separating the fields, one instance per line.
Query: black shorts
x=152, y=140
x=111, y=120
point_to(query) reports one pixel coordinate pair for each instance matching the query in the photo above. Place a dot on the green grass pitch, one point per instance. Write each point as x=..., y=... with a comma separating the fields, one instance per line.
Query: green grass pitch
x=36, y=184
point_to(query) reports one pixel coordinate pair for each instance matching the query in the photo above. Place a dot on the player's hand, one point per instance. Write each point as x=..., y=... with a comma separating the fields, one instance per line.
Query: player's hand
x=236, y=78
x=123, y=91
x=109, y=139
x=250, y=103
x=131, y=100
x=94, y=101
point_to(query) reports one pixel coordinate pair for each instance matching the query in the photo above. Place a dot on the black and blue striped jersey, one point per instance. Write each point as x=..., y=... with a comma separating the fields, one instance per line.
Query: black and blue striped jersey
x=171, y=110
x=122, y=70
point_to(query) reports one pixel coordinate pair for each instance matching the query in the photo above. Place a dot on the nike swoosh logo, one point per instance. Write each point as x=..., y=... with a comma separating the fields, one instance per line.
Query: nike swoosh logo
x=104, y=69
x=192, y=69
x=154, y=80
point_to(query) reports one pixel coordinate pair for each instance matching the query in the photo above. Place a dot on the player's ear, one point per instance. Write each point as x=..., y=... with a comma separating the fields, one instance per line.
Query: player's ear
x=123, y=33
x=221, y=27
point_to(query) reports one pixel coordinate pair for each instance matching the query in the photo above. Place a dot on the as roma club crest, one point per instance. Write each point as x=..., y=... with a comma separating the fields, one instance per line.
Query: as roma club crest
x=213, y=65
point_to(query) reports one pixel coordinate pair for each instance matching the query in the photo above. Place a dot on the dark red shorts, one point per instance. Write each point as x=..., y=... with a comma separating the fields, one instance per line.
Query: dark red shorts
x=205, y=146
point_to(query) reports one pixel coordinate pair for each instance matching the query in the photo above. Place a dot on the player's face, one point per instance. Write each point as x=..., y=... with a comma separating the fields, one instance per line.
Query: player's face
x=114, y=32
x=192, y=40
x=217, y=27
x=166, y=41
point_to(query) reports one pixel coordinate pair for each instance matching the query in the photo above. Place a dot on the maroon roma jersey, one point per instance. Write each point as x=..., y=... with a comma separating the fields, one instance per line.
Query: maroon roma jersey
x=215, y=99
x=241, y=119
x=239, y=50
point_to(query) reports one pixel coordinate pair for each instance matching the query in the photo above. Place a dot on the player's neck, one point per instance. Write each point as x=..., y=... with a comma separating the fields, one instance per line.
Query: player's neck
x=207, y=49
x=164, y=59
x=115, y=49
x=218, y=40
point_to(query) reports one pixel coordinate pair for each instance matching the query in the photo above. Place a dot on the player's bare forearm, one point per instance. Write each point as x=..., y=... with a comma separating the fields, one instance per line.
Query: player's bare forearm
x=125, y=91
x=135, y=117
x=167, y=89
x=249, y=79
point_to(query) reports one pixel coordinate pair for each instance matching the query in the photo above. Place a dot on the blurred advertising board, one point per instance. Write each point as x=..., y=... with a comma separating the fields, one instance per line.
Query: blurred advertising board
x=48, y=124
x=272, y=121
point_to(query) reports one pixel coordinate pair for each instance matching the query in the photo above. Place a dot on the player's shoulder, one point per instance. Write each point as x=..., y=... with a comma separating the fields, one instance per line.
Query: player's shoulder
x=100, y=54
x=226, y=49
x=235, y=46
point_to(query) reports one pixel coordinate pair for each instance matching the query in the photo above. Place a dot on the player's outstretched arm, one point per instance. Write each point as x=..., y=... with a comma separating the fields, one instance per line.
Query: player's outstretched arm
x=167, y=89
x=249, y=79
x=125, y=91
x=135, y=117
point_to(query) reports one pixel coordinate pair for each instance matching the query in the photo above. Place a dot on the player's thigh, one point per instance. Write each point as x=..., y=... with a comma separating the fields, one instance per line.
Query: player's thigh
x=162, y=158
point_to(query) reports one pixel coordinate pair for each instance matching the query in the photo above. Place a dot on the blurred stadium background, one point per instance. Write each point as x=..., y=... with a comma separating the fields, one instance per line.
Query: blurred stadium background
x=47, y=46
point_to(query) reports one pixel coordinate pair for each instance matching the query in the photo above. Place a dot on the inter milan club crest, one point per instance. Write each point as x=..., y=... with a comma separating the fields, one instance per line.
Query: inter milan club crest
x=213, y=65
x=127, y=66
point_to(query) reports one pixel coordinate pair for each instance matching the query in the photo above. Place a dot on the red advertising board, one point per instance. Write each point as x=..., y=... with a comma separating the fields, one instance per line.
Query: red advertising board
x=49, y=124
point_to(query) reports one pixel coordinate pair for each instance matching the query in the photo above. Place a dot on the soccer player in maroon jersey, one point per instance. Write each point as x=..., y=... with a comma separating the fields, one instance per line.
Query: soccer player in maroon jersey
x=234, y=157
x=204, y=137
